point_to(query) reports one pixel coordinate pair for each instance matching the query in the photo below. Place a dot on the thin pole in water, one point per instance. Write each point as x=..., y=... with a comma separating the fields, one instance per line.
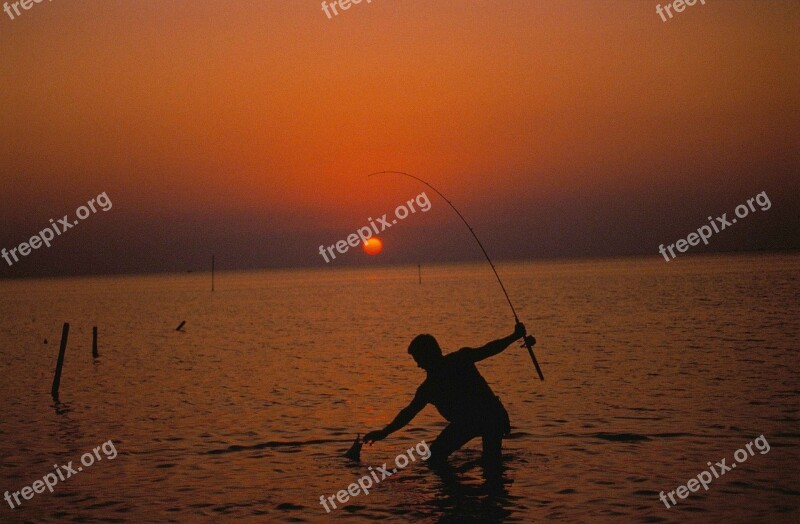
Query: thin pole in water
x=60, y=363
x=94, y=342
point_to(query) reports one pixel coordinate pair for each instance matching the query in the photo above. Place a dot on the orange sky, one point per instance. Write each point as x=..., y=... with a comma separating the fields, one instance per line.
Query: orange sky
x=267, y=112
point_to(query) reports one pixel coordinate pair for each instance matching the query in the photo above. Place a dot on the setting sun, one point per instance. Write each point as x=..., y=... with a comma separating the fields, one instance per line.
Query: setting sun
x=373, y=246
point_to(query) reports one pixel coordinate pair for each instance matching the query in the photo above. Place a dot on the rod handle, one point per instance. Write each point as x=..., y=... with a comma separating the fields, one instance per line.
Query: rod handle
x=529, y=342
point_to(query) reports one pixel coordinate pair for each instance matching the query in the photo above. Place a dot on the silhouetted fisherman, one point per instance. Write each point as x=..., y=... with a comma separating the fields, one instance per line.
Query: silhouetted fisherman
x=461, y=395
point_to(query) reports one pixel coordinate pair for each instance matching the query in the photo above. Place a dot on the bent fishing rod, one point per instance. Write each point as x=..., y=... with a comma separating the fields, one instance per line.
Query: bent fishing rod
x=528, y=341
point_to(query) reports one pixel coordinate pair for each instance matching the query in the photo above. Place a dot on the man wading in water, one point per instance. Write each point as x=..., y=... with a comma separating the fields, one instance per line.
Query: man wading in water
x=461, y=395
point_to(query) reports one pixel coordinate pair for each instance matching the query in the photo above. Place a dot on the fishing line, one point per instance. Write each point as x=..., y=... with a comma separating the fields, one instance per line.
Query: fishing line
x=514, y=311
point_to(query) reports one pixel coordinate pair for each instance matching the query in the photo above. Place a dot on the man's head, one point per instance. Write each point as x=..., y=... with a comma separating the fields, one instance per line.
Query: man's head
x=426, y=351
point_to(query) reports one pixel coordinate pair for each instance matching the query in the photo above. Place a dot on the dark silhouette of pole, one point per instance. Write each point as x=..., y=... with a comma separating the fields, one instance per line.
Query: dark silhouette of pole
x=60, y=363
x=94, y=343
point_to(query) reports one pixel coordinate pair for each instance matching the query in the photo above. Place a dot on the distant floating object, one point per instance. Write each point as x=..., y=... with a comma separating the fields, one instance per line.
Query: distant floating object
x=180, y=326
x=354, y=453
x=45, y=341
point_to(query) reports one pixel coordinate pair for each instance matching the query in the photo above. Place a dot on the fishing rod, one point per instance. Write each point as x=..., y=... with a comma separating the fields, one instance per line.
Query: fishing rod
x=528, y=340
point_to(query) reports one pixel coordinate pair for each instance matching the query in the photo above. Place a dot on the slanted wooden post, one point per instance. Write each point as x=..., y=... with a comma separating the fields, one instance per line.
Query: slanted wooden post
x=60, y=363
x=94, y=342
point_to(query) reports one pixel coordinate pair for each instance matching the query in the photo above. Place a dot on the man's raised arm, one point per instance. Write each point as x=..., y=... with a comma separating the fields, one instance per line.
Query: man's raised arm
x=496, y=346
x=405, y=416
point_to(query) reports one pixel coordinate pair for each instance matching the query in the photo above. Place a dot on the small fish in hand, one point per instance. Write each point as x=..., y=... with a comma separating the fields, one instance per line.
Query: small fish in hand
x=354, y=453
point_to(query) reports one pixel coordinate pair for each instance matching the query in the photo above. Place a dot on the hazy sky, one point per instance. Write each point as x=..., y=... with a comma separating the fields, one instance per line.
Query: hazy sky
x=247, y=128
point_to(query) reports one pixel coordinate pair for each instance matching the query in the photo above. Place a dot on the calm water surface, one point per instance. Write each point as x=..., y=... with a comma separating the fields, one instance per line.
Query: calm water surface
x=652, y=370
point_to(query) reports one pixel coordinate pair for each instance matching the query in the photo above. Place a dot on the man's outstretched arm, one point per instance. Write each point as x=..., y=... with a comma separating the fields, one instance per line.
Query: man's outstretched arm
x=496, y=346
x=405, y=416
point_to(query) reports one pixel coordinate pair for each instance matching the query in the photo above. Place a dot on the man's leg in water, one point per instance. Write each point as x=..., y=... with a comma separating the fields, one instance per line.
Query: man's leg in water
x=450, y=439
x=492, y=452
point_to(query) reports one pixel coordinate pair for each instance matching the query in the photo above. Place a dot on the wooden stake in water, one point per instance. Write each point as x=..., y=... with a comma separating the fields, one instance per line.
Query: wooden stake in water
x=212, y=272
x=94, y=342
x=60, y=363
